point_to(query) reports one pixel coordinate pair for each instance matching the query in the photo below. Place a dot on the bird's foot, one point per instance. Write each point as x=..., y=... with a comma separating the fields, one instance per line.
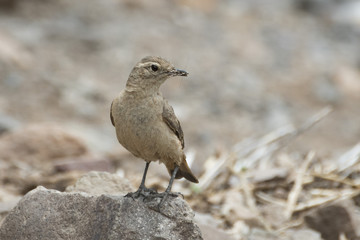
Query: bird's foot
x=143, y=192
x=163, y=196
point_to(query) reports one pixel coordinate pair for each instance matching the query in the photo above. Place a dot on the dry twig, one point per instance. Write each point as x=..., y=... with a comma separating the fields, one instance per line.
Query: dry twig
x=295, y=191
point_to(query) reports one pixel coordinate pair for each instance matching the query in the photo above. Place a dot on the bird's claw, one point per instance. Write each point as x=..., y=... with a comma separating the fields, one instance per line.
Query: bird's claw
x=141, y=192
x=163, y=196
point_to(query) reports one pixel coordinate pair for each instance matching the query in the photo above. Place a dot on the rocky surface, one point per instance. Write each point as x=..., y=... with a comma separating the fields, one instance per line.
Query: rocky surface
x=39, y=144
x=50, y=214
x=28, y=155
x=97, y=183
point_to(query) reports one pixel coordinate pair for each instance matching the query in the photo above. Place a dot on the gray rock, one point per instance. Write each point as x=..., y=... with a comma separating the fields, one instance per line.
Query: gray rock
x=332, y=221
x=50, y=214
x=98, y=183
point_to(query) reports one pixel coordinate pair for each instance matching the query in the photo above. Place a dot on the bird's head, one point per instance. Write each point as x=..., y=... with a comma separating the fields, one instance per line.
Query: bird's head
x=151, y=72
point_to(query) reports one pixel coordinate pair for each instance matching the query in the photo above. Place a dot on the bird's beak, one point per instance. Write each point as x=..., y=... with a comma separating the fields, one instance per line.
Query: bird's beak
x=178, y=72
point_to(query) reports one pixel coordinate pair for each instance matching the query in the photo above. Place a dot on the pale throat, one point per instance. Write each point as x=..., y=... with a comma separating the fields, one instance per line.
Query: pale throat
x=142, y=89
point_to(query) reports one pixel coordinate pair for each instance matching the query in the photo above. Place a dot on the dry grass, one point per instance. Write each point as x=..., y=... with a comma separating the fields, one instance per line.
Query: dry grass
x=261, y=175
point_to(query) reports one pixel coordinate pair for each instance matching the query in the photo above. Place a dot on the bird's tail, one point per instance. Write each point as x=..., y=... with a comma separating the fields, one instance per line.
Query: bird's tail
x=185, y=171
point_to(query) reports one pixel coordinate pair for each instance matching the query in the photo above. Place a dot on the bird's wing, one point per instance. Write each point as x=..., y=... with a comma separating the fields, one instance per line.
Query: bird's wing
x=111, y=116
x=173, y=123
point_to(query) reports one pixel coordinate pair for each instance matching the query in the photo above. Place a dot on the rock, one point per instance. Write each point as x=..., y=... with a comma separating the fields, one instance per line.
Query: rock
x=83, y=163
x=28, y=153
x=39, y=143
x=50, y=214
x=332, y=221
x=97, y=183
x=58, y=181
x=8, y=201
x=5, y=208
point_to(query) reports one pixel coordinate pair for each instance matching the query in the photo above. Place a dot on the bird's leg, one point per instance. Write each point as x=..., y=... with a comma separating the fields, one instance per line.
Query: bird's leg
x=167, y=192
x=168, y=189
x=142, y=184
x=142, y=189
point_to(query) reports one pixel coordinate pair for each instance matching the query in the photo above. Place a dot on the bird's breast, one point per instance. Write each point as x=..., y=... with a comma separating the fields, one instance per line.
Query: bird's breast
x=137, y=125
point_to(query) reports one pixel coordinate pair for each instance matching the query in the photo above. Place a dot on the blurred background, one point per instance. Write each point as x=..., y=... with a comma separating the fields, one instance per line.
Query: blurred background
x=255, y=66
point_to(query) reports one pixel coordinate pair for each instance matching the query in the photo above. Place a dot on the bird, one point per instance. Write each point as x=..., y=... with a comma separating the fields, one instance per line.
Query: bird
x=147, y=126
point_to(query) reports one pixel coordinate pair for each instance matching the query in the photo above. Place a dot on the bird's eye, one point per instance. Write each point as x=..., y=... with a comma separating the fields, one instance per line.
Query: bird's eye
x=154, y=68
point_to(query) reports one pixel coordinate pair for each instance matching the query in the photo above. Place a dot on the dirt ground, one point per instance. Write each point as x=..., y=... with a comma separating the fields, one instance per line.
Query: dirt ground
x=273, y=95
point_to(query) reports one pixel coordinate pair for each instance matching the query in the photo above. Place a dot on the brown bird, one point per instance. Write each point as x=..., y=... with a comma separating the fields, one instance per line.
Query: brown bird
x=146, y=124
